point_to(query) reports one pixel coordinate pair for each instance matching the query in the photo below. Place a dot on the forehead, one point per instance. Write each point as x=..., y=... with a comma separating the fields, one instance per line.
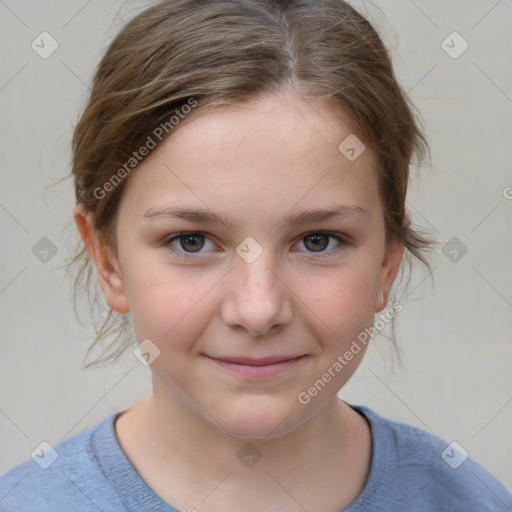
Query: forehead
x=273, y=151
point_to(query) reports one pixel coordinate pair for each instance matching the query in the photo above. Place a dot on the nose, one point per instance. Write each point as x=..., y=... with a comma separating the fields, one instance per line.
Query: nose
x=258, y=301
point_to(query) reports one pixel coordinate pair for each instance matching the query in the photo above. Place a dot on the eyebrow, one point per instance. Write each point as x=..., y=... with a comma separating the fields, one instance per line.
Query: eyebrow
x=206, y=216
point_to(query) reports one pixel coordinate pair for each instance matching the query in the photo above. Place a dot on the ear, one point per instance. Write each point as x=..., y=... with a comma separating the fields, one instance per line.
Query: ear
x=388, y=272
x=106, y=264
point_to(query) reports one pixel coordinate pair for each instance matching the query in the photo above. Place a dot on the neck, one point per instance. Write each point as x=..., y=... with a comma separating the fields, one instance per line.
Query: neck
x=329, y=450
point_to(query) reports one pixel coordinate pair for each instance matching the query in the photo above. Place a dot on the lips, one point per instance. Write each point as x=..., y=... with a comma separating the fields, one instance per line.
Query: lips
x=263, y=361
x=258, y=369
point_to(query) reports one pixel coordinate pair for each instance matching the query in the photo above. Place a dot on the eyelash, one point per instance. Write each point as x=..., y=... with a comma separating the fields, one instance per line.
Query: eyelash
x=342, y=243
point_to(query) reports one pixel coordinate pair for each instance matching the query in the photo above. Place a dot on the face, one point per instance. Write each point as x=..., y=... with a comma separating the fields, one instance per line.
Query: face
x=252, y=300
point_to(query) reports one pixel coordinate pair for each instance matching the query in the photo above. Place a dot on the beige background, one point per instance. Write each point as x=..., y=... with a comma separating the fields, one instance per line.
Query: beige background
x=455, y=326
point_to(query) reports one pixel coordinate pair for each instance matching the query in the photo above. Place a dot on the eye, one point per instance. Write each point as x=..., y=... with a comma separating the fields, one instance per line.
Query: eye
x=318, y=241
x=189, y=243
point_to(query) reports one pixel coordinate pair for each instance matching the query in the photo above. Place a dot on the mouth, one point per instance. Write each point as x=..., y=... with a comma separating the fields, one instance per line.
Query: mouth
x=257, y=368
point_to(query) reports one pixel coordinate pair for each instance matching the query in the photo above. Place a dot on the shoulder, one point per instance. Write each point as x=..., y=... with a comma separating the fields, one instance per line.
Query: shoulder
x=426, y=473
x=66, y=476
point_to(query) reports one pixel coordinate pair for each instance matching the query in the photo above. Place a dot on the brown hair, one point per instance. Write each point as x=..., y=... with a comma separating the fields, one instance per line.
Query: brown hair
x=221, y=52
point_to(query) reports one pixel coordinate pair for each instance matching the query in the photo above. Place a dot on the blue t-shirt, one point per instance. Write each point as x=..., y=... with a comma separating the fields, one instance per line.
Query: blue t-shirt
x=411, y=471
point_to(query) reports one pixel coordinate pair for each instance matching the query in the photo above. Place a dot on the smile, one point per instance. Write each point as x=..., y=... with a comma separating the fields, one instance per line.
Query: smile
x=264, y=368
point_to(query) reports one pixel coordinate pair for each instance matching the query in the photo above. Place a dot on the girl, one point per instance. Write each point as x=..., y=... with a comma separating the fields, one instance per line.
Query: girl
x=241, y=171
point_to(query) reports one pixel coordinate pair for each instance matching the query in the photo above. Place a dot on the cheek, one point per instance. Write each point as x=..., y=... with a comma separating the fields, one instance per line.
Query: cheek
x=342, y=303
x=173, y=306
x=168, y=307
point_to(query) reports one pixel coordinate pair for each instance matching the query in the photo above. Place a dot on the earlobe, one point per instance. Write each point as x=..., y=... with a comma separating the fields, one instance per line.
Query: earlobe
x=388, y=272
x=107, y=266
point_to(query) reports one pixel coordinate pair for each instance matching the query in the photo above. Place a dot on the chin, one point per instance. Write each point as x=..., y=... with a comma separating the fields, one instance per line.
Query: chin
x=259, y=417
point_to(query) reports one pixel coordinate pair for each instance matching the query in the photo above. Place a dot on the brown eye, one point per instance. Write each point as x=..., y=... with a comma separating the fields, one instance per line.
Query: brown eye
x=189, y=243
x=318, y=242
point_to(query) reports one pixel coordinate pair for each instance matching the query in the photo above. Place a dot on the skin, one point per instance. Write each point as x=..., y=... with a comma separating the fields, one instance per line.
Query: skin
x=251, y=163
